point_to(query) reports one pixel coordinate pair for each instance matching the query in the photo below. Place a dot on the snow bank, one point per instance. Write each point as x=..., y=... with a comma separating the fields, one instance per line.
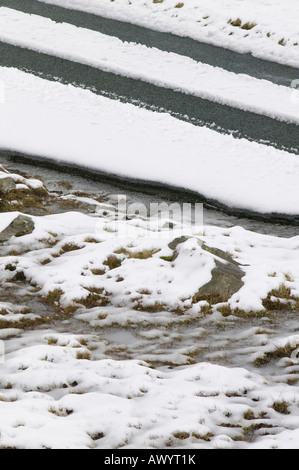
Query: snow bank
x=73, y=125
x=147, y=64
x=268, y=29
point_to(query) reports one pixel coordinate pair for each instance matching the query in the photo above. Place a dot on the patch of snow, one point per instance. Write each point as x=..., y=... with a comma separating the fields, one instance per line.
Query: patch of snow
x=21, y=182
x=6, y=219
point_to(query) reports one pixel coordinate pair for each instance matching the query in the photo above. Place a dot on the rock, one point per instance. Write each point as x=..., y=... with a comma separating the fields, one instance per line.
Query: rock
x=173, y=246
x=19, y=227
x=226, y=276
x=7, y=184
x=226, y=279
x=177, y=241
x=220, y=254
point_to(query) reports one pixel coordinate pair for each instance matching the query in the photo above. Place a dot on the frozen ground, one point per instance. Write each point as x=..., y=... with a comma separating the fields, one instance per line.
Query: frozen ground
x=79, y=127
x=108, y=347
x=268, y=29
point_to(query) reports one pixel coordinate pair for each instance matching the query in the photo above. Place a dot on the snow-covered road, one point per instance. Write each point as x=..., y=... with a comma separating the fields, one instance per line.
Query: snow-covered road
x=163, y=69
x=126, y=334
x=79, y=127
x=150, y=146
x=267, y=29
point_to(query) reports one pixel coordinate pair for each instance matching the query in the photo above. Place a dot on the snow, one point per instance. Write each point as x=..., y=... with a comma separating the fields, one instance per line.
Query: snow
x=124, y=356
x=151, y=65
x=62, y=390
x=75, y=126
x=126, y=403
x=275, y=36
x=18, y=179
x=155, y=280
x=6, y=220
x=129, y=405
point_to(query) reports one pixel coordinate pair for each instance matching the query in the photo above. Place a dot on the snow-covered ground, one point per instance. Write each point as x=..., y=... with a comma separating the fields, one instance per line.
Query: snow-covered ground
x=111, y=337
x=64, y=382
x=268, y=262
x=76, y=126
x=268, y=29
x=151, y=65
x=60, y=401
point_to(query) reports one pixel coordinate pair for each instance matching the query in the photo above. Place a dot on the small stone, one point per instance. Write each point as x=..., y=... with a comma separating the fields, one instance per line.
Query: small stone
x=20, y=226
x=227, y=278
x=7, y=184
x=177, y=241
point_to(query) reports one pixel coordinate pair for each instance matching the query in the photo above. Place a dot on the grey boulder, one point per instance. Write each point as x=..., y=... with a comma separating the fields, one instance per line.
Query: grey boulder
x=20, y=226
x=7, y=184
x=226, y=278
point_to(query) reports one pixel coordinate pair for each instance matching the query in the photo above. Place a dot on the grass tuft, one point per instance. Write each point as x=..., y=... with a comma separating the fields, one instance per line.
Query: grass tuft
x=112, y=262
x=83, y=355
x=181, y=435
x=248, y=26
x=53, y=297
x=278, y=353
x=281, y=407
x=237, y=23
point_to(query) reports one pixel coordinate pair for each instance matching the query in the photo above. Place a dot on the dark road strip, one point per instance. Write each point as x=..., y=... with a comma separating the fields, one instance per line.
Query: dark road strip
x=284, y=225
x=200, y=112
